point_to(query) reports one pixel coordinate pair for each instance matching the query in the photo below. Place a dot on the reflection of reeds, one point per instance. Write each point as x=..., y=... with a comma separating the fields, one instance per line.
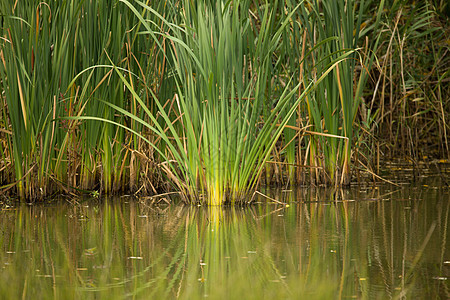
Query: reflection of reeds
x=326, y=245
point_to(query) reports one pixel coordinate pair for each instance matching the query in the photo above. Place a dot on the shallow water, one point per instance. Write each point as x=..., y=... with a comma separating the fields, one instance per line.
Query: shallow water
x=377, y=242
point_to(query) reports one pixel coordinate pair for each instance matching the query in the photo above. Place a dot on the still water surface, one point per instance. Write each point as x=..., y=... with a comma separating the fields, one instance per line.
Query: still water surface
x=366, y=243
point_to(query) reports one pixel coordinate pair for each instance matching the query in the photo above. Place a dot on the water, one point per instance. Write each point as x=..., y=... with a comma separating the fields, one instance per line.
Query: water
x=378, y=242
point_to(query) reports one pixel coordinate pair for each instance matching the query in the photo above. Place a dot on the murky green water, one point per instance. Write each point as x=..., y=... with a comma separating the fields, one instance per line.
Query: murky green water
x=376, y=243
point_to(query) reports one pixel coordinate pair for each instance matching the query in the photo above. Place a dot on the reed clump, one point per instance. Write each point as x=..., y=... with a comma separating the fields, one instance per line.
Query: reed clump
x=213, y=99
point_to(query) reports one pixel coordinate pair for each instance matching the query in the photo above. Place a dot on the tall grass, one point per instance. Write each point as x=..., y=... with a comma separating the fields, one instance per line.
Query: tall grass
x=410, y=91
x=222, y=97
x=333, y=108
x=229, y=122
x=45, y=47
x=108, y=96
x=35, y=69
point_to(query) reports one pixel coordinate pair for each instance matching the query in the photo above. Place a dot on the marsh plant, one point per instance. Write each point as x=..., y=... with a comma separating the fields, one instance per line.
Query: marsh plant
x=207, y=98
x=229, y=121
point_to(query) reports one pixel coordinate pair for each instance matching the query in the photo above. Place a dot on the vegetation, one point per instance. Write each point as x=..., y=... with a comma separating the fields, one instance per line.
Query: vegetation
x=214, y=98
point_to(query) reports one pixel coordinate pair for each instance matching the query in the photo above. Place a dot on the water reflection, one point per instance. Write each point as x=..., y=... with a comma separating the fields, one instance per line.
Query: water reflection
x=358, y=243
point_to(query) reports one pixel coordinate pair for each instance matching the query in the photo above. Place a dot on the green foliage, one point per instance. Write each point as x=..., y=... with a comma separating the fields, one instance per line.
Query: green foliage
x=333, y=107
x=36, y=65
x=107, y=96
x=218, y=146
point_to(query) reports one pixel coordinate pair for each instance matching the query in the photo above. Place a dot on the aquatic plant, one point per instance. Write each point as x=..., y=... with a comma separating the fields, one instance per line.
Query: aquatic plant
x=332, y=109
x=409, y=92
x=219, y=97
x=36, y=65
x=219, y=144
x=44, y=47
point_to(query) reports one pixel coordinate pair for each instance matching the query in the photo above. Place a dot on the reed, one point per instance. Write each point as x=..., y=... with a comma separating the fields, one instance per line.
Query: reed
x=102, y=155
x=332, y=109
x=409, y=90
x=35, y=68
x=107, y=96
x=46, y=46
x=223, y=99
x=228, y=120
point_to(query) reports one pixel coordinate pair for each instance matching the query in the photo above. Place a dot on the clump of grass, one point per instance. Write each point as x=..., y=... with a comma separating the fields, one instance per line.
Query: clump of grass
x=218, y=146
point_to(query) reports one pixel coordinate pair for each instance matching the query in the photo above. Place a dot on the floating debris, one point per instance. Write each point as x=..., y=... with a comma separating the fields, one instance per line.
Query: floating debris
x=439, y=278
x=99, y=267
x=90, y=251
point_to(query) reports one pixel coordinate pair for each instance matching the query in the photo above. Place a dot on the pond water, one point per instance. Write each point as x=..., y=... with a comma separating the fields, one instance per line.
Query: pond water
x=377, y=242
